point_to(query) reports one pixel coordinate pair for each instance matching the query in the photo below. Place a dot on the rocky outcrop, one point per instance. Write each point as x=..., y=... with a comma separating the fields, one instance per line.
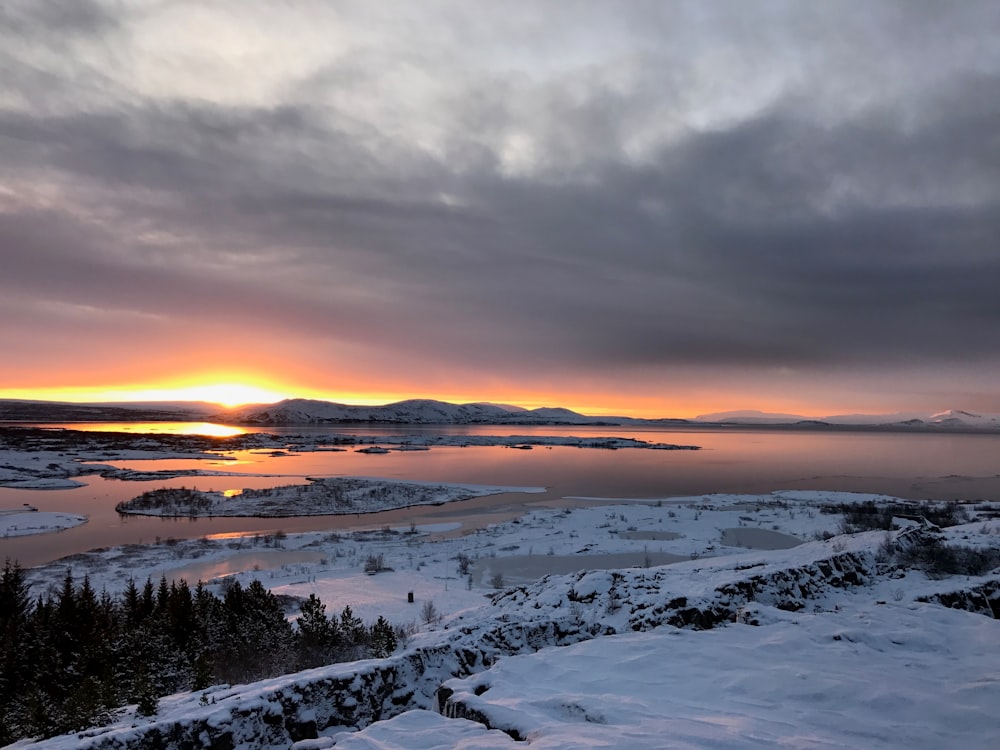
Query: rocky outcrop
x=278, y=712
x=982, y=598
x=559, y=610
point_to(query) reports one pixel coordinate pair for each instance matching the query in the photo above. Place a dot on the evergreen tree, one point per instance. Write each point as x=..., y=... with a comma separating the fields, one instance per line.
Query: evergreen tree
x=317, y=635
x=353, y=634
x=132, y=604
x=70, y=658
x=383, y=638
x=15, y=614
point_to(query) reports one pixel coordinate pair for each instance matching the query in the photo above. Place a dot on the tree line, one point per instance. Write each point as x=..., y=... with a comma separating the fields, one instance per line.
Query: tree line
x=68, y=659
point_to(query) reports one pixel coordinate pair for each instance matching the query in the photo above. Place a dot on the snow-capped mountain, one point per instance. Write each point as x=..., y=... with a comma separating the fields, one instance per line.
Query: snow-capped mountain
x=959, y=418
x=413, y=411
x=953, y=418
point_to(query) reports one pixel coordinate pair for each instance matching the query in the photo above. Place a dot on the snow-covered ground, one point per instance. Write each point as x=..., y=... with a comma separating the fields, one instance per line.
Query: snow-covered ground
x=20, y=522
x=890, y=675
x=426, y=557
x=862, y=663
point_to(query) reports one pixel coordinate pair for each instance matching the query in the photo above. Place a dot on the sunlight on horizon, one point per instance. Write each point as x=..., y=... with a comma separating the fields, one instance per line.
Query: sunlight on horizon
x=226, y=395
x=230, y=394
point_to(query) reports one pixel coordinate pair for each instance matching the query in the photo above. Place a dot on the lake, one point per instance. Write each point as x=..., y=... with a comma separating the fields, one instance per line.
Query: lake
x=912, y=465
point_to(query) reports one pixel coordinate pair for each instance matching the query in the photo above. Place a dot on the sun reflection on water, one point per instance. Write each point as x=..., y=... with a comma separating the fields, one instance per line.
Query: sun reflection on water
x=209, y=429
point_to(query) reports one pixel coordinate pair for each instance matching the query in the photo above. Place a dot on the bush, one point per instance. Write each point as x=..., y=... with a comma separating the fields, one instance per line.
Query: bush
x=374, y=564
x=939, y=559
x=429, y=612
x=869, y=516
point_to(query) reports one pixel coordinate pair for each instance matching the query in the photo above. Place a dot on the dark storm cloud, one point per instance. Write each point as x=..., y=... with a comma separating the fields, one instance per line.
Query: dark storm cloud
x=821, y=223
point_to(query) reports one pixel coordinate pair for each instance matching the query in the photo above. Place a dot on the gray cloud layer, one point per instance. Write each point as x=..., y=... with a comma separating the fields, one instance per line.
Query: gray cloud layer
x=597, y=185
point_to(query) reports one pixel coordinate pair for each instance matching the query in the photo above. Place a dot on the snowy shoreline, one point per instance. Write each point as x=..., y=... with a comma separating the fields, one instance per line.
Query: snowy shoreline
x=327, y=496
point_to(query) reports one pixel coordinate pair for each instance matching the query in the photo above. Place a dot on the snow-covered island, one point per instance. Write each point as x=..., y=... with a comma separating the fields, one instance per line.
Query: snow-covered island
x=322, y=496
x=26, y=520
x=851, y=638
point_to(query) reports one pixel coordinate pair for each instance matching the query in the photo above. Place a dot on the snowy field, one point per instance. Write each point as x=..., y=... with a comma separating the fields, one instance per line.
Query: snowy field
x=426, y=559
x=865, y=666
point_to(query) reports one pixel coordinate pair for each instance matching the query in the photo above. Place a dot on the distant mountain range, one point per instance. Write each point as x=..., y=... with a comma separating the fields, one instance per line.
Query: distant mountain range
x=20, y=410
x=426, y=411
x=300, y=411
x=413, y=411
x=951, y=418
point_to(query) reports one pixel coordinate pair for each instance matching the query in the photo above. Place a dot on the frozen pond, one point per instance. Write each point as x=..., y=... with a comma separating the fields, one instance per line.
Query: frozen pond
x=752, y=538
x=527, y=568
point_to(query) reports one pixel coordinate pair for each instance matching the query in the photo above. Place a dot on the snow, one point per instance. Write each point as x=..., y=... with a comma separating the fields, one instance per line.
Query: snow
x=865, y=676
x=323, y=496
x=417, y=730
x=952, y=418
x=24, y=522
x=42, y=469
x=413, y=411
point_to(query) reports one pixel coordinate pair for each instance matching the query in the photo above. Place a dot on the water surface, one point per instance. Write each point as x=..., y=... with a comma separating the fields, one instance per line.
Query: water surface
x=920, y=466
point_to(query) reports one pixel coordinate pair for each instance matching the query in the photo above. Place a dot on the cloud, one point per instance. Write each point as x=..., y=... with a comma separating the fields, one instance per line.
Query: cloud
x=752, y=187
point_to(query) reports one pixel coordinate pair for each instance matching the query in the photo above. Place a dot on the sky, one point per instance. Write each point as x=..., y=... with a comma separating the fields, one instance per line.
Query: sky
x=650, y=208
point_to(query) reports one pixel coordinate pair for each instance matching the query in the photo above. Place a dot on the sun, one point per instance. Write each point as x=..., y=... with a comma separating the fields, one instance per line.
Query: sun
x=228, y=395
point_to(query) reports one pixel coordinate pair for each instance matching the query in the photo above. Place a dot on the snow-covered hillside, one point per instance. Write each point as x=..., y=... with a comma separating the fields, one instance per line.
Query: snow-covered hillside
x=959, y=418
x=414, y=411
x=953, y=418
x=834, y=643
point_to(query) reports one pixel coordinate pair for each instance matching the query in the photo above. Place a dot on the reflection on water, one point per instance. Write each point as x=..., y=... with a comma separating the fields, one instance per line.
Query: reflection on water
x=209, y=429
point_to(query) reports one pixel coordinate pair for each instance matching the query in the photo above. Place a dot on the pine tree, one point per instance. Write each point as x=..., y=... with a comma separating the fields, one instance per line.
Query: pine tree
x=317, y=635
x=383, y=638
x=353, y=634
x=15, y=614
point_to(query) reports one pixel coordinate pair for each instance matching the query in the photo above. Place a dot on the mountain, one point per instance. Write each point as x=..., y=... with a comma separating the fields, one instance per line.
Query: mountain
x=413, y=411
x=959, y=418
x=953, y=418
x=22, y=410
x=750, y=416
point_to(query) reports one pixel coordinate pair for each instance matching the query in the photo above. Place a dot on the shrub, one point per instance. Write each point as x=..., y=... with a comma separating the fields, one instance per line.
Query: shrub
x=374, y=564
x=429, y=612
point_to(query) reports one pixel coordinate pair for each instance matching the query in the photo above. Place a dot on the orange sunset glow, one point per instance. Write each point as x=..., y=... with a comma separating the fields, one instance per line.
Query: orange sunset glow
x=234, y=393
x=221, y=220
